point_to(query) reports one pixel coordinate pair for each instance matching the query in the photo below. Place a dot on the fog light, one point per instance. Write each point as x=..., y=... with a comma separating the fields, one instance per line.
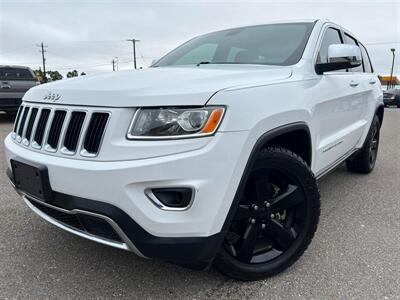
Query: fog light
x=171, y=198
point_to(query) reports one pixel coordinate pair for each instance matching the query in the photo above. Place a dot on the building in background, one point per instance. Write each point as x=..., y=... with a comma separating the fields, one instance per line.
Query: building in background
x=385, y=81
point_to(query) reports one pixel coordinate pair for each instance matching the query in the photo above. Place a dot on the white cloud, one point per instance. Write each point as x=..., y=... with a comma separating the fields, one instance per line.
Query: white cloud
x=87, y=35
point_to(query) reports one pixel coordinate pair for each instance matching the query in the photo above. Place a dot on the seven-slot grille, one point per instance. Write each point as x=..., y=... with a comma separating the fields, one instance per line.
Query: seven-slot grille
x=54, y=129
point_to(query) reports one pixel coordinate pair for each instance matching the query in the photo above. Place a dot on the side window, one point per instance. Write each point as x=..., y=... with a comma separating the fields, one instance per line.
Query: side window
x=352, y=41
x=331, y=36
x=366, y=60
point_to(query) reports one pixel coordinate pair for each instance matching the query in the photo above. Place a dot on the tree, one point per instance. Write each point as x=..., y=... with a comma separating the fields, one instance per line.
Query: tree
x=83, y=74
x=54, y=75
x=73, y=73
x=40, y=75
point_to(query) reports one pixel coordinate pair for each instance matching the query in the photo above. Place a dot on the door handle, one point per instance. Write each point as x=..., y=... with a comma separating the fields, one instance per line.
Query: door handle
x=353, y=83
x=372, y=81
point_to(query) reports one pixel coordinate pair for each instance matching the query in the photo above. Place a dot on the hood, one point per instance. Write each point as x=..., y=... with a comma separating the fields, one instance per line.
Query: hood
x=164, y=86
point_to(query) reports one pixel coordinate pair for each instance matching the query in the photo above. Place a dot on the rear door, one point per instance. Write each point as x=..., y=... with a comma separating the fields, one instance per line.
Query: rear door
x=371, y=85
x=15, y=82
x=367, y=82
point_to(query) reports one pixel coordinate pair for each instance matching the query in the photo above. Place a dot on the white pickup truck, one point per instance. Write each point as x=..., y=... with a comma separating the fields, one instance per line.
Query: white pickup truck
x=212, y=155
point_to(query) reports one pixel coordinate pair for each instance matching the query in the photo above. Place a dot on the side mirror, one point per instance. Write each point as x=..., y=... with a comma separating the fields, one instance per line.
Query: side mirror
x=340, y=56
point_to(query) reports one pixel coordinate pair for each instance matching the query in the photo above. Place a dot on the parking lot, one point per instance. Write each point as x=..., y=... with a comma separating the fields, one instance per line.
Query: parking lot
x=355, y=253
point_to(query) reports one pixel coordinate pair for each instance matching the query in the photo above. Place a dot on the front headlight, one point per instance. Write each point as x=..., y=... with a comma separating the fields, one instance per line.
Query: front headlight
x=167, y=123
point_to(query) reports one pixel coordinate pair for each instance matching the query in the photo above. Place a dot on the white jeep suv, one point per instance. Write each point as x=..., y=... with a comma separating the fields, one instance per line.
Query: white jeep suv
x=212, y=154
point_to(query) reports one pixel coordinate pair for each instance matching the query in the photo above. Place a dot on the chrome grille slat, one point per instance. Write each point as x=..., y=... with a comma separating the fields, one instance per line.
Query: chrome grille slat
x=47, y=128
x=55, y=128
x=95, y=132
x=23, y=120
x=21, y=108
x=74, y=130
x=32, y=119
x=62, y=130
x=41, y=126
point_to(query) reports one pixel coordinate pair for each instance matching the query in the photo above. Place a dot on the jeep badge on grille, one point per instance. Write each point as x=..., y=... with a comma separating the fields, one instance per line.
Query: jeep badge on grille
x=52, y=96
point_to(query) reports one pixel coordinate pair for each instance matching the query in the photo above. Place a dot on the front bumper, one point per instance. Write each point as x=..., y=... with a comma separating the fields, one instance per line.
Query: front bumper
x=115, y=189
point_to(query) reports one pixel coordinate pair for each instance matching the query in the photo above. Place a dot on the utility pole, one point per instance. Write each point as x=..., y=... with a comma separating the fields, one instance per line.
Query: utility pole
x=113, y=64
x=134, y=41
x=43, y=59
x=391, y=71
x=117, y=63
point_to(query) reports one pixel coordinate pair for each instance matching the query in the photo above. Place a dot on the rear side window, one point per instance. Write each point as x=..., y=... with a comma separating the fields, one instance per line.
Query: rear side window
x=331, y=37
x=366, y=61
x=352, y=41
x=15, y=74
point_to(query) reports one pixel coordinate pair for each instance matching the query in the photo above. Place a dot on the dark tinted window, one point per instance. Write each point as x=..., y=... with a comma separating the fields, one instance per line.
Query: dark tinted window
x=331, y=37
x=352, y=41
x=274, y=44
x=366, y=60
x=15, y=74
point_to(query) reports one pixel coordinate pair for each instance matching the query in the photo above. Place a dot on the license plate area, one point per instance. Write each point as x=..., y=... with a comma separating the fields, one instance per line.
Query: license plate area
x=31, y=179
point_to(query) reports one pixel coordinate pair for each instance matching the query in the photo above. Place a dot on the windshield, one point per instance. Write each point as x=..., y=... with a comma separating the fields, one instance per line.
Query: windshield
x=274, y=44
x=7, y=73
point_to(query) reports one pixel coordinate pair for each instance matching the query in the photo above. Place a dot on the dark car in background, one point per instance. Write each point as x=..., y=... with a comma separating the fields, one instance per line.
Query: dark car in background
x=15, y=81
x=391, y=97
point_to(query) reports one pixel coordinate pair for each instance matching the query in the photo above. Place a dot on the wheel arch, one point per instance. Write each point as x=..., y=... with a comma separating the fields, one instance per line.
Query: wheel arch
x=265, y=139
x=380, y=113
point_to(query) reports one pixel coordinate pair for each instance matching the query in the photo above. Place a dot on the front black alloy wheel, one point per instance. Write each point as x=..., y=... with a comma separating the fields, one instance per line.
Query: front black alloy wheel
x=275, y=220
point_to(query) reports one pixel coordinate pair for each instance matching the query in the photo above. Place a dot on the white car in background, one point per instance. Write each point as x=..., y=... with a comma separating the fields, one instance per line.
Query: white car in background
x=212, y=154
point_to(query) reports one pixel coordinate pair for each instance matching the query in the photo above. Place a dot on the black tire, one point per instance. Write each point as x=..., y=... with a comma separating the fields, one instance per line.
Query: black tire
x=284, y=185
x=364, y=161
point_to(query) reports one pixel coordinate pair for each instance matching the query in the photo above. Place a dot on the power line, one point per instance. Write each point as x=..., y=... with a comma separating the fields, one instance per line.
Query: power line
x=134, y=41
x=140, y=52
x=383, y=43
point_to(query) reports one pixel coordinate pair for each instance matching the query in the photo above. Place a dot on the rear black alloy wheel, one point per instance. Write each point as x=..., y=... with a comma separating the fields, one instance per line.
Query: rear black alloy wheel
x=364, y=160
x=373, y=147
x=275, y=220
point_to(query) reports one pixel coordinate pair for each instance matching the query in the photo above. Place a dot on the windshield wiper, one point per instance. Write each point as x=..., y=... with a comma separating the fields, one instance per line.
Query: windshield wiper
x=220, y=63
x=203, y=63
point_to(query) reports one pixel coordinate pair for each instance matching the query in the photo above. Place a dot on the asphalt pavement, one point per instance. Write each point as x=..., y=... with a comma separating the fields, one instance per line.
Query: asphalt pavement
x=355, y=252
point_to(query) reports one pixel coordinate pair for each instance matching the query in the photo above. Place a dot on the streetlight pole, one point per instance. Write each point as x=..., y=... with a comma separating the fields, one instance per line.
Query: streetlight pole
x=391, y=71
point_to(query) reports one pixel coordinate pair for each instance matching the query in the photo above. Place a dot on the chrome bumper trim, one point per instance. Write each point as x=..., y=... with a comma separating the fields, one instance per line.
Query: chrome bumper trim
x=125, y=245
